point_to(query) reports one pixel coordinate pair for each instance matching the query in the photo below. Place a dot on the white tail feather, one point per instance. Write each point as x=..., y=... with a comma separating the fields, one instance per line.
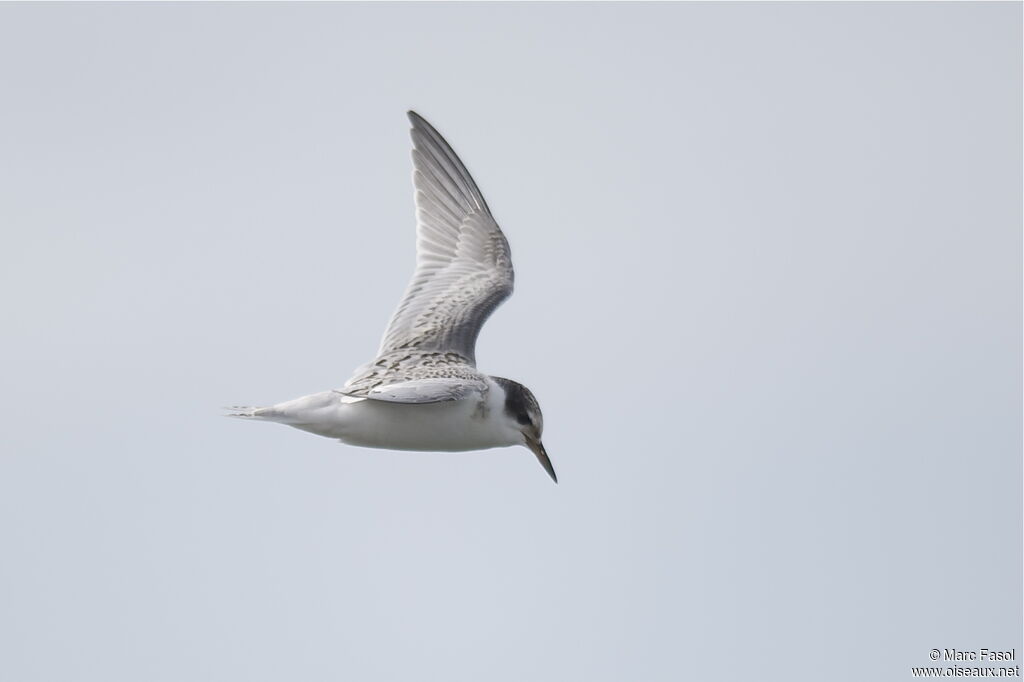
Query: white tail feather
x=247, y=412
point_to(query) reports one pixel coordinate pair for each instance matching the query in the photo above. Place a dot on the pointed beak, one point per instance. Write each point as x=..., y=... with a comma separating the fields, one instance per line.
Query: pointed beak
x=542, y=456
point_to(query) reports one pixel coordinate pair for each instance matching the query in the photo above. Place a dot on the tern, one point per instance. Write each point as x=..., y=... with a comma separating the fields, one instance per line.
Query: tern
x=423, y=390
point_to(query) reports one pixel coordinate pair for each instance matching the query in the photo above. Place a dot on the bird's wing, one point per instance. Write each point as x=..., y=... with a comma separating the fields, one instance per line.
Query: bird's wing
x=416, y=377
x=463, y=265
x=424, y=391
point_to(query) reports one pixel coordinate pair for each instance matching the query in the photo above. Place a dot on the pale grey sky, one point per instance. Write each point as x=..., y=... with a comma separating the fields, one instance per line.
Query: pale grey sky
x=768, y=294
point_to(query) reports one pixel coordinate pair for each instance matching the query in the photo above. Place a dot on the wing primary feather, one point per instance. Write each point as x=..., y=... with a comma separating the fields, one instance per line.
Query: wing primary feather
x=463, y=264
x=446, y=152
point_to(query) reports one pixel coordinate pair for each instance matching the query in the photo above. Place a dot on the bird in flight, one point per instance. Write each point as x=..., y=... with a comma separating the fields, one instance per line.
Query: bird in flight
x=423, y=391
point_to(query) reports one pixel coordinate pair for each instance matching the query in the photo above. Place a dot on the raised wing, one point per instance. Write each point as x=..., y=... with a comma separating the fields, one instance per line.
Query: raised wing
x=463, y=265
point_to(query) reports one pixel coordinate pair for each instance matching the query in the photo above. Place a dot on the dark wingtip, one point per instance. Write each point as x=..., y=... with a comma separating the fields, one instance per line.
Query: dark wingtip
x=420, y=123
x=436, y=146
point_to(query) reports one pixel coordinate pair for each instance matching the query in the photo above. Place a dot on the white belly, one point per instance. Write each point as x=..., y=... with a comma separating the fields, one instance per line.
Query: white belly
x=447, y=426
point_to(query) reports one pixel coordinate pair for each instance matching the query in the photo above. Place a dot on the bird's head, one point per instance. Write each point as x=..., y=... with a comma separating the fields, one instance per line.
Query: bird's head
x=523, y=414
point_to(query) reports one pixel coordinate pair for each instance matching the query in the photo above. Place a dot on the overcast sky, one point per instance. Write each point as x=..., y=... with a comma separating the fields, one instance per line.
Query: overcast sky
x=768, y=295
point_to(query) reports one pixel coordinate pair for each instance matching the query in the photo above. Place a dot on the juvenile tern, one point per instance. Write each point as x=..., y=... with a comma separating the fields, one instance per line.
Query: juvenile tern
x=423, y=391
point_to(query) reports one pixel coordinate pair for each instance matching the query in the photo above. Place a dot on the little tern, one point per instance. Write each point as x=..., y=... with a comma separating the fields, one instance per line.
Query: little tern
x=423, y=390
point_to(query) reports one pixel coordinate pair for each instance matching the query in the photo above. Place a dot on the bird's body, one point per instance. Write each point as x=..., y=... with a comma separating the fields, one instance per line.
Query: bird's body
x=472, y=423
x=423, y=390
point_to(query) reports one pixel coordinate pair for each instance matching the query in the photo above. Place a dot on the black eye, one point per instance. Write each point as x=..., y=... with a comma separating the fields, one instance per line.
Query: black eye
x=523, y=418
